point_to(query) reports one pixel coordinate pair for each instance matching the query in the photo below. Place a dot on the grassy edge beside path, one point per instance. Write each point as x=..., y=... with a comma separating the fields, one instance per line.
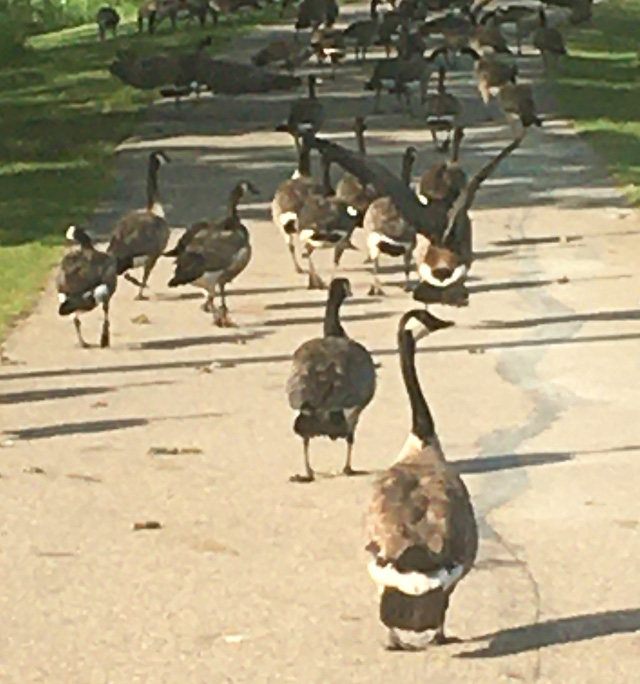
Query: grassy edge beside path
x=62, y=115
x=599, y=88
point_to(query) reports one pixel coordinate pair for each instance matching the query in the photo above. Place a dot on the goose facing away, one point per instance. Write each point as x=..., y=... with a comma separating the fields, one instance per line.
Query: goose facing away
x=421, y=528
x=491, y=72
x=444, y=181
x=305, y=114
x=364, y=32
x=332, y=381
x=212, y=253
x=388, y=232
x=516, y=100
x=290, y=198
x=140, y=237
x=87, y=278
x=442, y=110
x=549, y=41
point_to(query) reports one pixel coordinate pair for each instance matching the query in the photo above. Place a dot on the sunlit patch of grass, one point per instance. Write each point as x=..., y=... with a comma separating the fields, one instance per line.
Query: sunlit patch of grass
x=62, y=116
x=599, y=88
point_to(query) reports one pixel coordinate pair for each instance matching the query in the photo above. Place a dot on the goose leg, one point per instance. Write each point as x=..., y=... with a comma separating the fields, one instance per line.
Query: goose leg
x=407, y=271
x=434, y=137
x=376, y=106
x=348, y=470
x=223, y=320
x=77, y=325
x=315, y=281
x=376, y=287
x=309, y=476
x=292, y=252
x=104, y=336
x=148, y=267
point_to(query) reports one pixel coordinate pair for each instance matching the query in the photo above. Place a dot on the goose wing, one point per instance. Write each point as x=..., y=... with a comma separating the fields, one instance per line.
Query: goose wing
x=139, y=233
x=421, y=519
x=82, y=270
x=331, y=374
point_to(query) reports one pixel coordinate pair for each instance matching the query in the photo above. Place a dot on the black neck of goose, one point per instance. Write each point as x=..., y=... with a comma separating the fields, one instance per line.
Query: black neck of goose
x=152, y=183
x=455, y=148
x=422, y=425
x=312, y=88
x=326, y=178
x=360, y=138
x=543, y=17
x=407, y=168
x=232, y=204
x=332, y=325
x=304, y=160
x=441, y=76
x=373, y=9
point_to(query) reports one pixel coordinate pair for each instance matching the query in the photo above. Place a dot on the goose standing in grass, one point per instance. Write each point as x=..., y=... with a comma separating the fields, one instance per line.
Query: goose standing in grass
x=421, y=528
x=140, y=237
x=325, y=222
x=350, y=189
x=289, y=199
x=444, y=181
x=442, y=110
x=388, y=232
x=549, y=41
x=107, y=19
x=332, y=381
x=87, y=278
x=212, y=253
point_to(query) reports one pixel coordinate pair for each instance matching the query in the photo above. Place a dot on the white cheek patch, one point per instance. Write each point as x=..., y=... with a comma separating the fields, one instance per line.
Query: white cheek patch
x=352, y=211
x=296, y=174
x=157, y=210
x=427, y=276
x=62, y=298
x=422, y=199
x=71, y=233
x=414, y=583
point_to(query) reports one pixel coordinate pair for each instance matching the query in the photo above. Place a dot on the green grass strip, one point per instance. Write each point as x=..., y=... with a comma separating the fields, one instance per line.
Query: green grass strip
x=599, y=88
x=62, y=115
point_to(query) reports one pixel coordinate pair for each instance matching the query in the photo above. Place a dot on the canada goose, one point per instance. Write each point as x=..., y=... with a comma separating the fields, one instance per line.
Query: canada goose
x=487, y=35
x=290, y=198
x=313, y=13
x=87, y=278
x=349, y=188
x=332, y=381
x=447, y=259
x=491, y=73
x=229, y=8
x=288, y=52
x=400, y=74
x=388, y=28
x=235, y=78
x=325, y=221
x=364, y=32
x=516, y=100
x=141, y=236
x=515, y=15
x=305, y=114
x=146, y=73
x=329, y=43
x=107, y=19
x=212, y=253
x=442, y=110
x=421, y=528
x=428, y=220
x=444, y=181
x=388, y=232
x=155, y=11
x=549, y=41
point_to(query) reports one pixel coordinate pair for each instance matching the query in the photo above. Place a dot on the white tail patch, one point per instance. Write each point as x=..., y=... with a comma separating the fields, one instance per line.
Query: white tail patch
x=352, y=211
x=306, y=234
x=287, y=217
x=71, y=233
x=62, y=298
x=414, y=583
x=296, y=174
x=413, y=640
x=459, y=272
x=157, y=210
x=305, y=126
x=101, y=293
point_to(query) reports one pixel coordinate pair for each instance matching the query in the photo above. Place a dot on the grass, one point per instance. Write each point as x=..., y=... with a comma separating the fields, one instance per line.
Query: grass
x=62, y=116
x=600, y=88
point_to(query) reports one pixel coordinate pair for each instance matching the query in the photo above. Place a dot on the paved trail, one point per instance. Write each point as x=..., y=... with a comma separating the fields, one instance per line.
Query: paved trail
x=253, y=579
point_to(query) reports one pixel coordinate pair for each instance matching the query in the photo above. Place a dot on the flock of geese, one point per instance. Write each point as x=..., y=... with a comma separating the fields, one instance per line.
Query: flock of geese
x=421, y=534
